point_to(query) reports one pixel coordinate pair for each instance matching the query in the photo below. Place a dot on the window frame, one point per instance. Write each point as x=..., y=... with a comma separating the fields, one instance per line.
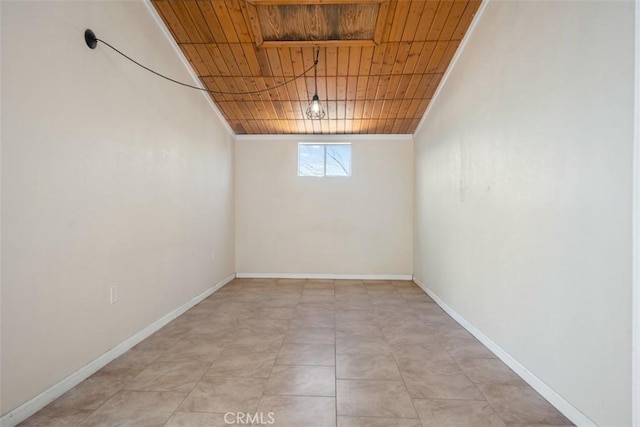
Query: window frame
x=324, y=165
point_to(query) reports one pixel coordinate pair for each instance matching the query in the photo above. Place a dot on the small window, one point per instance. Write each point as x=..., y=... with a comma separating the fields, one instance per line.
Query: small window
x=324, y=159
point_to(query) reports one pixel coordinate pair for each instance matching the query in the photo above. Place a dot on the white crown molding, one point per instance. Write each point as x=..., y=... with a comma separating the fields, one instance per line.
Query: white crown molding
x=569, y=411
x=324, y=276
x=453, y=62
x=187, y=65
x=324, y=138
x=33, y=405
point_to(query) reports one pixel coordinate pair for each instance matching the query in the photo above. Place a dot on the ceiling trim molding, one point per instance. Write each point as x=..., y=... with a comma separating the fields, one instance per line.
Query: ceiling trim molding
x=453, y=62
x=156, y=16
x=324, y=137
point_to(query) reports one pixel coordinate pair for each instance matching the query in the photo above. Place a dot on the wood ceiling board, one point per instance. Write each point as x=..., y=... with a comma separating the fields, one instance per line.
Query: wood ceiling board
x=465, y=20
x=365, y=87
x=171, y=21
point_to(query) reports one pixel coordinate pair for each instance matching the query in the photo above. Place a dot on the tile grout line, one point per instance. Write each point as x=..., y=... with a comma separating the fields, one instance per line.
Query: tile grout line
x=402, y=376
x=275, y=360
x=199, y=380
x=277, y=354
x=189, y=392
x=100, y=406
x=465, y=374
x=475, y=386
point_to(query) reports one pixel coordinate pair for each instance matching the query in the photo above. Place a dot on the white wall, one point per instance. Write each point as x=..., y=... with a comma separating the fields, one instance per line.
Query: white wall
x=636, y=228
x=110, y=176
x=524, y=190
x=301, y=225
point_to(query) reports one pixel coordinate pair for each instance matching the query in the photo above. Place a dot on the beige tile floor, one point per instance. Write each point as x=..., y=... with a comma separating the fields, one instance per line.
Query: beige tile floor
x=307, y=353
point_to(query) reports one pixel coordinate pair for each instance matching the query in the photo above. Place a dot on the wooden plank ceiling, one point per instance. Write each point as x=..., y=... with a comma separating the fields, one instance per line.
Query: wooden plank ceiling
x=380, y=61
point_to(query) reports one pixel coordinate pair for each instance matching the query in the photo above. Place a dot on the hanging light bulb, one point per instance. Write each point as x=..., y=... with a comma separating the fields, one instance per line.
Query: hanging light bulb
x=315, y=111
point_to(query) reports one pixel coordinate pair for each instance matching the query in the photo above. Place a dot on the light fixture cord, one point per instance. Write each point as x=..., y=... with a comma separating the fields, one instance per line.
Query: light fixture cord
x=219, y=92
x=315, y=70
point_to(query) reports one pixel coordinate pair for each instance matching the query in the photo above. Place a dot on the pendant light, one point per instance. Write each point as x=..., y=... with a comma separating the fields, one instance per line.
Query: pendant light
x=315, y=110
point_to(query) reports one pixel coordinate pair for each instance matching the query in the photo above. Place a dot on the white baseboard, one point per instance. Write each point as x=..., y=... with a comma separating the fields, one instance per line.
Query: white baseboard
x=324, y=276
x=32, y=406
x=567, y=409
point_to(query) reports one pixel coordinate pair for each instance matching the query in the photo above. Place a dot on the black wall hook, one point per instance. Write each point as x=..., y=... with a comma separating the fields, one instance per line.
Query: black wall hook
x=90, y=39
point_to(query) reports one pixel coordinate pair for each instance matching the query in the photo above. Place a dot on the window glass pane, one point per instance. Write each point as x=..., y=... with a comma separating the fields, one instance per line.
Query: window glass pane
x=338, y=160
x=310, y=160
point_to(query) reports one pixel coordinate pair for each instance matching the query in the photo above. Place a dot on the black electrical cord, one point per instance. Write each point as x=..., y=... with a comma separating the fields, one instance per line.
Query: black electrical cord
x=315, y=71
x=219, y=92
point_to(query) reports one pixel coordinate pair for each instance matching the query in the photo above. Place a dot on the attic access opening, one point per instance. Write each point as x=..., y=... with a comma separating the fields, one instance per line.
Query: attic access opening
x=282, y=23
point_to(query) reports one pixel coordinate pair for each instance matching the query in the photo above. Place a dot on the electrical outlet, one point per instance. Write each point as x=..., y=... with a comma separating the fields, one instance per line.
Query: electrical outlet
x=113, y=294
x=213, y=256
